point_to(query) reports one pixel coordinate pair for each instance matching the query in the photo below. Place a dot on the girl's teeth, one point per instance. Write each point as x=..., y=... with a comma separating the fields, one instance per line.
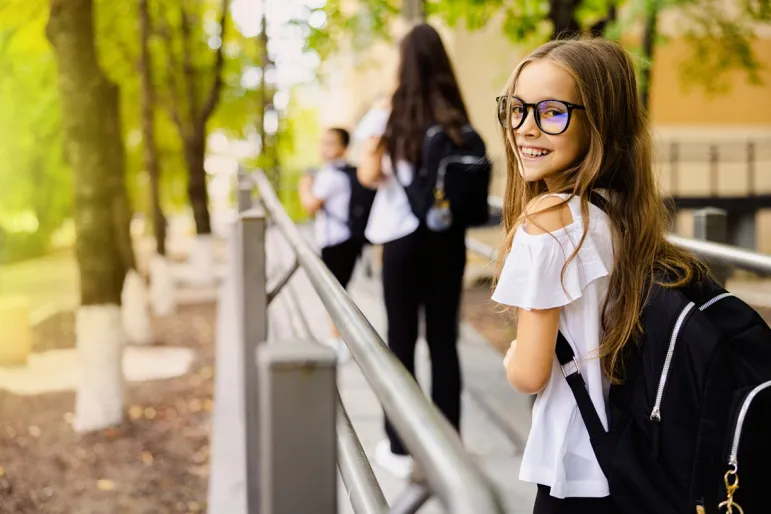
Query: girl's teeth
x=534, y=153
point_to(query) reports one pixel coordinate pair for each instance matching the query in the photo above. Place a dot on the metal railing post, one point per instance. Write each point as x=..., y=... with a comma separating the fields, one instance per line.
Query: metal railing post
x=297, y=413
x=254, y=316
x=712, y=225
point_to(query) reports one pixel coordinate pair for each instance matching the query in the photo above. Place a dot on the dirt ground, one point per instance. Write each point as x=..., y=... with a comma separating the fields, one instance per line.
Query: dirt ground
x=155, y=462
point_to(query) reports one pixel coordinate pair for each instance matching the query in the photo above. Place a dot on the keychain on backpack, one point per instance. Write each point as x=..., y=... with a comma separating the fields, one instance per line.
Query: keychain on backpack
x=731, y=488
x=439, y=216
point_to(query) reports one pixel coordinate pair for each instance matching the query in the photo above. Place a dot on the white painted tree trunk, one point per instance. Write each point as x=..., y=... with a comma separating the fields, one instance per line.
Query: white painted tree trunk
x=99, y=400
x=136, y=311
x=162, y=291
x=201, y=260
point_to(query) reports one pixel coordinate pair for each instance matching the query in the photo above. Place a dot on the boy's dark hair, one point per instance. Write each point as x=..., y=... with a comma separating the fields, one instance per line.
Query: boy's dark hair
x=344, y=135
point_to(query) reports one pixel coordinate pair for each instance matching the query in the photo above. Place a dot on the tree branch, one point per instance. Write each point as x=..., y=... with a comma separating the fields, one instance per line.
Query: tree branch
x=187, y=64
x=216, y=89
x=165, y=33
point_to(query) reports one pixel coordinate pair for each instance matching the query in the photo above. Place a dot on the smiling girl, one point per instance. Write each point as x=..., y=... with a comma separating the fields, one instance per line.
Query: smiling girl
x=585, y=228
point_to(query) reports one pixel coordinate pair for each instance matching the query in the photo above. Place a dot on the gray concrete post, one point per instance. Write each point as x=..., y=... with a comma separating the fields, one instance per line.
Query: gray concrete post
x=297, y=413
x=254, y=316
x=711, y=224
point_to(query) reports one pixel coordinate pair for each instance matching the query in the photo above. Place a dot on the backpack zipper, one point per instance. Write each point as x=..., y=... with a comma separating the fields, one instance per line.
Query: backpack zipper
x=714, y=300
x=734, y=457
x=656, y=413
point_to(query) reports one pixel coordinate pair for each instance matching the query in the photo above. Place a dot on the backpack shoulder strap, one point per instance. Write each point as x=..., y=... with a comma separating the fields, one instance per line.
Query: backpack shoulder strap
x=575, y=380
x=600, y=201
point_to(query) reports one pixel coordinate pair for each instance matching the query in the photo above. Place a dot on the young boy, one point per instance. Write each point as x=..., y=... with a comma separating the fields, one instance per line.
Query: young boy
x=327, y=194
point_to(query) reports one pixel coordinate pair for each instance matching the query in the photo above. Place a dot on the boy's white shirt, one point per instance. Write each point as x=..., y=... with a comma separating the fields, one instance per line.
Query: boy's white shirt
x=333, y=187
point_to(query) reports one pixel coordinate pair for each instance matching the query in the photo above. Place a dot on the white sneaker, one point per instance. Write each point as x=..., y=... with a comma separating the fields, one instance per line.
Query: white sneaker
x=340, y=348
x=398, y=465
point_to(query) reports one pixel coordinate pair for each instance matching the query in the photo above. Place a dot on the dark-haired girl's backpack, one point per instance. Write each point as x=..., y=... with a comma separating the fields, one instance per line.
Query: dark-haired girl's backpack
x=451, y=185
x=692, y=420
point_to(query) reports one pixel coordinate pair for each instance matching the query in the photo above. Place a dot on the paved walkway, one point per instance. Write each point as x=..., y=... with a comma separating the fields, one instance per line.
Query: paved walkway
x=495, y=417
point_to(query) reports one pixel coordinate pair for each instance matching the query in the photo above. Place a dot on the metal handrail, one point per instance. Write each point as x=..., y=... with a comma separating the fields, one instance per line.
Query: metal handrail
x=716, y=252
x=732, y=255
x=436, y=447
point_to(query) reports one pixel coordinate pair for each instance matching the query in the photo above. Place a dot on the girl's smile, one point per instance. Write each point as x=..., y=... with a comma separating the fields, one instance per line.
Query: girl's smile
x=532, y=153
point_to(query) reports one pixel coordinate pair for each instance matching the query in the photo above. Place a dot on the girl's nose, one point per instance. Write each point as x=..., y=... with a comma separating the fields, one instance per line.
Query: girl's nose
x=529, y=127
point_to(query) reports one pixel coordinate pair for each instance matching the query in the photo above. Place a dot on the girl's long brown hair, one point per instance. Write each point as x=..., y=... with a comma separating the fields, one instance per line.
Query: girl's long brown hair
x=427, y=94
x=619, y=158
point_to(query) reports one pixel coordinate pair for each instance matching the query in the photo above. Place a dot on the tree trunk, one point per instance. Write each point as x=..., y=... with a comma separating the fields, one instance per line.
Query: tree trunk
x=195, y=151
x=148, y=128
x=194, y=135
x=117, y=173
x=562, y=14
x=648, y=48
x=414, y=11
x=600, y=28
x=90, y=119
x=91, y=124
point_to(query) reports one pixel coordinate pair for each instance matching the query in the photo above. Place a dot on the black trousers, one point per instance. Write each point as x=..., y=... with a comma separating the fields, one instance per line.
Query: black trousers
x=546, y=504
x=424, y=270
x=341, y=259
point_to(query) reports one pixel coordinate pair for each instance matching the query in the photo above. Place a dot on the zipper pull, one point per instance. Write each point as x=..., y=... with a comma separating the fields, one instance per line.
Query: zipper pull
x=655, y=432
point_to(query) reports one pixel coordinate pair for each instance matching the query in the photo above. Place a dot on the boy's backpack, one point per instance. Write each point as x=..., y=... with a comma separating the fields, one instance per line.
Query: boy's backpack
x=694, y=411
x=450, y=187
x=359, y=206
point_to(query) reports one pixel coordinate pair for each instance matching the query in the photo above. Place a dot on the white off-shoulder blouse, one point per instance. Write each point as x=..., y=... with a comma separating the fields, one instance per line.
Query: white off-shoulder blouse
x=558, y=452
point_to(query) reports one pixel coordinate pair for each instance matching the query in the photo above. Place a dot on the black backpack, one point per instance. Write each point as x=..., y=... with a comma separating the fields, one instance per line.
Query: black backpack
x=451, y=185
x=694, y=412
x=359, y=206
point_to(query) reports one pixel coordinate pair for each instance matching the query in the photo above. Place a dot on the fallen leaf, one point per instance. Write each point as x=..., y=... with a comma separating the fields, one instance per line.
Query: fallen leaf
x=149, y=413
x=193, y=506
x=135, y=412
x=112, y=433
x=208, y=405
x=105, y=485
x=194, y=405
x=199, y=471
x=147, y=458
x=2, y=471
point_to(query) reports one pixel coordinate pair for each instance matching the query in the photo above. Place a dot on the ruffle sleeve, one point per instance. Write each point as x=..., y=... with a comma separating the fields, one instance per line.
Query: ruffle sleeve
x=532, y=276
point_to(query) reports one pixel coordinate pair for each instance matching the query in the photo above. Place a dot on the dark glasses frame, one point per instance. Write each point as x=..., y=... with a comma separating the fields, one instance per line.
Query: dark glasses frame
x=527, y=107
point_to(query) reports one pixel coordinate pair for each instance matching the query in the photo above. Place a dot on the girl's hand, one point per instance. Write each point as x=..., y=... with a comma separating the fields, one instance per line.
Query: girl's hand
x=370, y=170
x=509, y=354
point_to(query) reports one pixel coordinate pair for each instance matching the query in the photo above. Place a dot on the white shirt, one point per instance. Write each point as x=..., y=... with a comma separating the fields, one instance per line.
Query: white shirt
x=391, y=217
x=558, y=452
x=333, y=187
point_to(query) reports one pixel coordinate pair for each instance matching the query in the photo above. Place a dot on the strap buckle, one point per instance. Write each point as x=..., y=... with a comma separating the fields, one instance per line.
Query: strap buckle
x=571, y=368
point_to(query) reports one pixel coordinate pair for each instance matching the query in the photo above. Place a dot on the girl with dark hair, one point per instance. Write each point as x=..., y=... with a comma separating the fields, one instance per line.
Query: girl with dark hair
x=421, y=268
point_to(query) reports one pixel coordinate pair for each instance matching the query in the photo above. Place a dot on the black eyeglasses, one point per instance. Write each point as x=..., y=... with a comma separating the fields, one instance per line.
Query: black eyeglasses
x=551, y=116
